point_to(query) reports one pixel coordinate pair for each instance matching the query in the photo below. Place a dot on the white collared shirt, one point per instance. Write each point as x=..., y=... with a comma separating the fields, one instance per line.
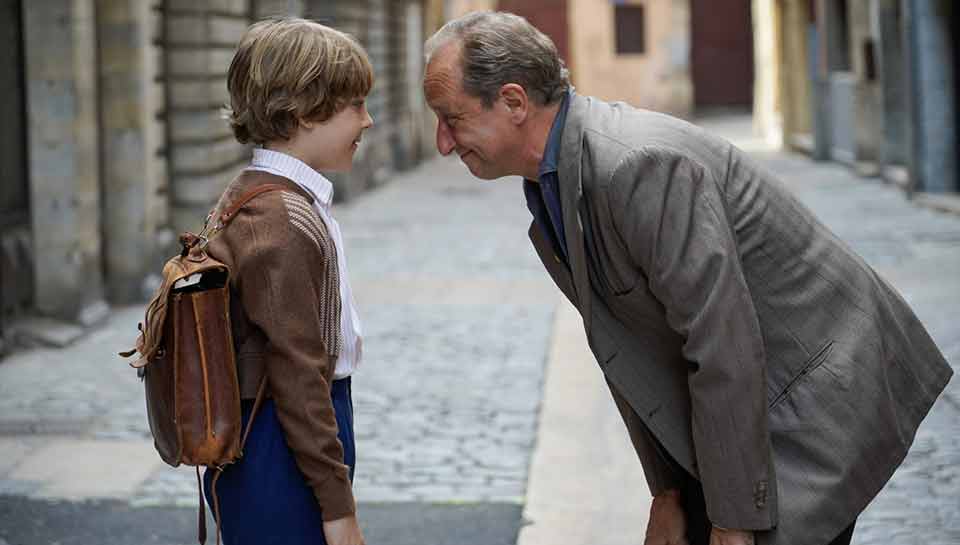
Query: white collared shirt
x=314, y=183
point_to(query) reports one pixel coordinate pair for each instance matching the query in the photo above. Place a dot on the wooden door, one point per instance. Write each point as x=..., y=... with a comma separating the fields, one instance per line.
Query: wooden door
x=721, y=53
x=549, y=16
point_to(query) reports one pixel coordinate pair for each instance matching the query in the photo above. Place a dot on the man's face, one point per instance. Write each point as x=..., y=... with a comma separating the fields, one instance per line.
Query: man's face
x=484, y=138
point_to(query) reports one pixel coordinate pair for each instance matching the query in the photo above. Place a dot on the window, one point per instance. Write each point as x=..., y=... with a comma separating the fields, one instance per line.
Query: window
x=630, y=29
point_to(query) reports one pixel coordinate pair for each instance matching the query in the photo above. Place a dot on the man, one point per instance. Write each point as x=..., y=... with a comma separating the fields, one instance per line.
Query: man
x=771, y=382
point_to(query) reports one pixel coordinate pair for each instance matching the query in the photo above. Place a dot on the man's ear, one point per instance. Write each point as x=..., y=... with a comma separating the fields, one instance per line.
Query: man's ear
x=515, y=99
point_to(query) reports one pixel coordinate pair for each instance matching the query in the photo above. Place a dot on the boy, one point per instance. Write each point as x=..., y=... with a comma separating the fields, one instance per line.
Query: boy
x=297, y=91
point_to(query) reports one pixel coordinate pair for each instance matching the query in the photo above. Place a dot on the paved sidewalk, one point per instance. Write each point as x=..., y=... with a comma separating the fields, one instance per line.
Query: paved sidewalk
x=586, y=485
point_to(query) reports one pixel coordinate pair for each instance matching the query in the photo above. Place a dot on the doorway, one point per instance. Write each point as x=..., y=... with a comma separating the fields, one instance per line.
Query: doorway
x=721, y=53
x=16, y=268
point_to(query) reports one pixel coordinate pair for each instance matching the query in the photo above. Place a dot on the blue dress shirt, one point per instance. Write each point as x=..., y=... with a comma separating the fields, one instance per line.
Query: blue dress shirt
x=543, y=196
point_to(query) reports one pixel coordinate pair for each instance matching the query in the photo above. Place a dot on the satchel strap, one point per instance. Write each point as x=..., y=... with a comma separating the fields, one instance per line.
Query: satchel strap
x=261, y=394
x=232, y=211
x=189, y=240
x=224, y=218
x=202, y=524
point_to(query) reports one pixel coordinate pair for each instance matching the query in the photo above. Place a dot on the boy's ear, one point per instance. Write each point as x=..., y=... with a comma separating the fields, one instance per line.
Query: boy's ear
x=306, y=123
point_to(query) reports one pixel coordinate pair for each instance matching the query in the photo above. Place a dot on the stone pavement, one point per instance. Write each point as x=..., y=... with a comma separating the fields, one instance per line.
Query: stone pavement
x=456, y=314
x=918, y=251
x=459, y=322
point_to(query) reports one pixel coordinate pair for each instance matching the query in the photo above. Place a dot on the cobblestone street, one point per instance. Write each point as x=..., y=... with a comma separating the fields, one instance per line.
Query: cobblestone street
x=457, y=315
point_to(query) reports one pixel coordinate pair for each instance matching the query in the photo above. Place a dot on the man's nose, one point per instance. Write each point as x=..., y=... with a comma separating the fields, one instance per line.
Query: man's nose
x=445, y=141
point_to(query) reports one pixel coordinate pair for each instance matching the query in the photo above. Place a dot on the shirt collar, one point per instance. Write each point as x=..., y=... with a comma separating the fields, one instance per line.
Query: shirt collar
x=551, y=153
x=297, y=171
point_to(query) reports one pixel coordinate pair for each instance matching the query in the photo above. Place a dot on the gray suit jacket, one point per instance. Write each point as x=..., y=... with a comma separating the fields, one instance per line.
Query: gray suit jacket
x=766, y=358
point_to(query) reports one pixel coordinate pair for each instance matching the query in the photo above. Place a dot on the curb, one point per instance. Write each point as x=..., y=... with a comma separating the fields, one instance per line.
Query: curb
x=939, y=202
x=585, y=484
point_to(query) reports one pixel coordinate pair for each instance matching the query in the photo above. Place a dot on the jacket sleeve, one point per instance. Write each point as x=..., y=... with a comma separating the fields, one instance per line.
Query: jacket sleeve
x=659, y=469
x=670, y=214
x=281, y=287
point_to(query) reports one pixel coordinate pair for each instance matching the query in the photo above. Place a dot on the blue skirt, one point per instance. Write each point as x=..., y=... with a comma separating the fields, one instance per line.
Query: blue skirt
x=264, y=498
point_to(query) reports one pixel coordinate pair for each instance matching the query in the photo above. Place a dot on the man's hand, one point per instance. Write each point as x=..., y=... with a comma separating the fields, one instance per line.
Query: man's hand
x=668, y=523
x=343, y=531
x=722, y=536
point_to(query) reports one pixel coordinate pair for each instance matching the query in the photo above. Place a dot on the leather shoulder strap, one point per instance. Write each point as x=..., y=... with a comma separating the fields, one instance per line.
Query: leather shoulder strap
x=229, y=213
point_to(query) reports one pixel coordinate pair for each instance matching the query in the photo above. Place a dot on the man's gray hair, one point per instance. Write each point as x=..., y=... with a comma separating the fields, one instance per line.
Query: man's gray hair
x=499, y=48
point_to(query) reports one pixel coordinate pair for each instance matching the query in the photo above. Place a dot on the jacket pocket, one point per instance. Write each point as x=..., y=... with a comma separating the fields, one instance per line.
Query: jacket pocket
x=601, y=340
x=815, y=361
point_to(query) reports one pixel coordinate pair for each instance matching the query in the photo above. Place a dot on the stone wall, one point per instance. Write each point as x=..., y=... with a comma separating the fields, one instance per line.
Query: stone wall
x=795, y=74
x=63, y=157
x=133, y=173
x=125, y=142
x=772, y=98
x=199, y=39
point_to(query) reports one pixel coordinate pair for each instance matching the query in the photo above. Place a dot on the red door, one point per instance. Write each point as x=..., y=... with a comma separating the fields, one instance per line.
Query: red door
x=549, y=16
x=722, y=53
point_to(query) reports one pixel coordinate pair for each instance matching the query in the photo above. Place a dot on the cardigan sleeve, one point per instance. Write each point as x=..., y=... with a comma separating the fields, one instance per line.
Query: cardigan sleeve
x=288, y=286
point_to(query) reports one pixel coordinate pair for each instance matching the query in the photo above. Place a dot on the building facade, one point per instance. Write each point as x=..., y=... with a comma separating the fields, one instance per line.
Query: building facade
x=872, y=84
x=114, y=139
x=681, y=57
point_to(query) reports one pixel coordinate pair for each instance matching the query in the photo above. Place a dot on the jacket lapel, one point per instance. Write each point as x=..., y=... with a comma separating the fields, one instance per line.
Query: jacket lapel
x=556, y=268
x=571, y=194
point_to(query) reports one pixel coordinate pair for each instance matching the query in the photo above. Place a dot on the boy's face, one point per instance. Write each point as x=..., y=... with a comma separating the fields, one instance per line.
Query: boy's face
x=332, y=143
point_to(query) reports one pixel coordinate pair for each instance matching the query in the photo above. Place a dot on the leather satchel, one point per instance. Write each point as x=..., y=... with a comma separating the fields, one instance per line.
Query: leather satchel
x=187, y=360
